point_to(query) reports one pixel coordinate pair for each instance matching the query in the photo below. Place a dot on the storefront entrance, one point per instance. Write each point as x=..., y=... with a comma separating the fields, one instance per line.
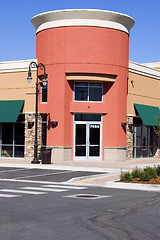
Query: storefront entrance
x=87, y=137
x=143, y=140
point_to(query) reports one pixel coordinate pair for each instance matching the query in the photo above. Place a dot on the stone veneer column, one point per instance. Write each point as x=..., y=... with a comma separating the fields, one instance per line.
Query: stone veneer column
x=157, y=146
x=30, y=135
x=129, y=130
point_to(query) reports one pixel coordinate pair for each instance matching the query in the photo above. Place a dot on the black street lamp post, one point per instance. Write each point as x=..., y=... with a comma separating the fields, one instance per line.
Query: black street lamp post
x=43, y=82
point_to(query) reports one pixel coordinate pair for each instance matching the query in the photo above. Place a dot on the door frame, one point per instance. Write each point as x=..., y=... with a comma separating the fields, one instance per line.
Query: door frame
x=141, y=141
x=87, y=157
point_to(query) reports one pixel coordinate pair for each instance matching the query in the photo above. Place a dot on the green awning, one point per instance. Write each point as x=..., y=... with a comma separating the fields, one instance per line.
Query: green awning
x=9, y=110
x=148, y=114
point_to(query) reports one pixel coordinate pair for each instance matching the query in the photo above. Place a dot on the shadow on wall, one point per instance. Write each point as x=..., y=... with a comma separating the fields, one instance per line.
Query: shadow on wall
x=89, y=77
x=50, y=123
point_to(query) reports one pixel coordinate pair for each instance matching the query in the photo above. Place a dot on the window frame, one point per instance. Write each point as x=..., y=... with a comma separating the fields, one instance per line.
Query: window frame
x=13, y=145
x=142, y=146
x=88, y=88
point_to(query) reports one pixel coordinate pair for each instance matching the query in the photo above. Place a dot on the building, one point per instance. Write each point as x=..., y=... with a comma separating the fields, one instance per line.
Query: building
x=92, y=107
x=143, y=103
x=153, y=65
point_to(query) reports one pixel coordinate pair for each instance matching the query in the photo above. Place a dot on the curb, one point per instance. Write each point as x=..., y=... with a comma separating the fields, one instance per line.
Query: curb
x=133, y=186
x=58, y=167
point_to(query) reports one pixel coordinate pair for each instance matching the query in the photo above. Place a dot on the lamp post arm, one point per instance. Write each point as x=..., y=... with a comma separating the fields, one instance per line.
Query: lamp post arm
x=42, y=67
x=33, y=64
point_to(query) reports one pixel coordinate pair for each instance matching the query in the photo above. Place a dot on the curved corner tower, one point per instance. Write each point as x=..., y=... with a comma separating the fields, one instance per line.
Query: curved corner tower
x=86, y=57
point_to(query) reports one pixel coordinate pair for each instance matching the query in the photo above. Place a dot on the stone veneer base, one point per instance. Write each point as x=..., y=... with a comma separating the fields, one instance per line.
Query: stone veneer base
x=60, y=154
x=113, y=154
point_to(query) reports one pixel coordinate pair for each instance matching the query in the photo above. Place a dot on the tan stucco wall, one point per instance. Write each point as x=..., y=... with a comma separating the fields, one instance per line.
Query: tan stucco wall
x=14, y=86
x=142, y=90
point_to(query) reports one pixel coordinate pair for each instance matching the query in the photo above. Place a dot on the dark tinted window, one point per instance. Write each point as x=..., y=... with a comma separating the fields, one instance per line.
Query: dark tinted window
x=88, y=91
x=44, y=93
x=87, y=117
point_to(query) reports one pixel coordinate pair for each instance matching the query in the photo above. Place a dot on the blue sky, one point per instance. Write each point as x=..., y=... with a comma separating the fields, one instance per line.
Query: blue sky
x=18, y=39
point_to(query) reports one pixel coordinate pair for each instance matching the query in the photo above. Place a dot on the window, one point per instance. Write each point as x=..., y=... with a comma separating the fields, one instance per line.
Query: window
x=143, y=140
x=44, y=93
x=87, y=117
x=88, y=92
x=12, y=138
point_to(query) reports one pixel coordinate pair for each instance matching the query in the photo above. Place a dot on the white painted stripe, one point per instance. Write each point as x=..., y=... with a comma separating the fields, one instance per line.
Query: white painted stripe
x=8, y=196
x=21, y=191
x=44, y=189
x=41, y=175
x=13, y=170
x=34, y=181
x=62, y=186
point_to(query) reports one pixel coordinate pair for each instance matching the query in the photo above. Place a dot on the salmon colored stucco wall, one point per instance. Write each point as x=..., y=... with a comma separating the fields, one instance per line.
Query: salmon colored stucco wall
x=84, y=50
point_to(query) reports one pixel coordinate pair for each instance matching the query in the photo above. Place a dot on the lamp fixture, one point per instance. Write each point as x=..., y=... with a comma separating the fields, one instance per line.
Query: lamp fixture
x=54, y=124
x=123, y=124
x=29, y=78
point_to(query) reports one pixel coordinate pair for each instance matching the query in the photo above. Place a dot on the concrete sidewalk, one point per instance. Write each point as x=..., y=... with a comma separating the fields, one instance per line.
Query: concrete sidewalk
x=111, y=170
x=129, y=164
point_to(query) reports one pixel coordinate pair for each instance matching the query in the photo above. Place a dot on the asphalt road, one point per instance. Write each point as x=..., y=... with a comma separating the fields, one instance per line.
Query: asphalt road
x=42, y=174
x=35, y=210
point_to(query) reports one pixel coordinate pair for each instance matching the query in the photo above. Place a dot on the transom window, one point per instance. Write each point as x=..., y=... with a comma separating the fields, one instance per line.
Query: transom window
x=87, y=117
x=91, y=92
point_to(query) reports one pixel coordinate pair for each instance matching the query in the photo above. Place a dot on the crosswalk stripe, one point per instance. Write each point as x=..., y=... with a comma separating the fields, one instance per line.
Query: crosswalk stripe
x=12, y=170
x=62, y=186
x=20, y=191
x=9, y=195
x=44, y=189
x=42, y=175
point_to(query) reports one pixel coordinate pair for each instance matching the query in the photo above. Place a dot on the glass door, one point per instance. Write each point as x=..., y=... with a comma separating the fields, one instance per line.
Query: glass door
x=87, y=139
x=94, y=140
x=80, y=140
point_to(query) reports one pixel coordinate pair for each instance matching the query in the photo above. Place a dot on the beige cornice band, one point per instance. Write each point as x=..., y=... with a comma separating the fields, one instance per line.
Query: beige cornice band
x=82, y=17
x=16, y=66
x=91, y=77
